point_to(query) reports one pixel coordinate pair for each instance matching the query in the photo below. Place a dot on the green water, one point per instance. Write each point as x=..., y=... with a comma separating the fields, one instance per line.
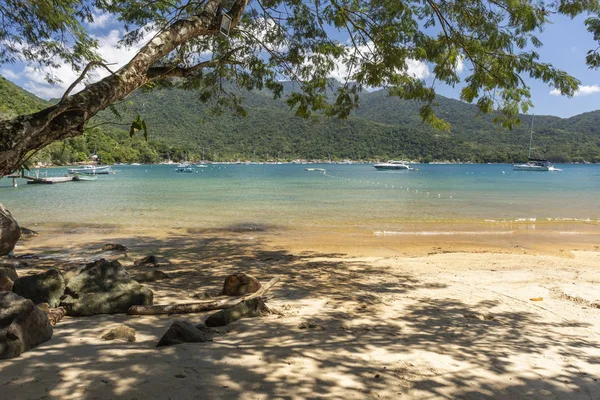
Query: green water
x=347, y=198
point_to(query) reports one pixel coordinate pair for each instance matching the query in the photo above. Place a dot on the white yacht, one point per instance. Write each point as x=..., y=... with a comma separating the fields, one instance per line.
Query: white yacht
x=393, y=165
x=184, y=167
x=91, y=170
x=534, y=164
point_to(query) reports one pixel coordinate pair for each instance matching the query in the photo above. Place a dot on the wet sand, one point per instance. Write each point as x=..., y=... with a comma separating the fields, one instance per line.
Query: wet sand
x=445, y=316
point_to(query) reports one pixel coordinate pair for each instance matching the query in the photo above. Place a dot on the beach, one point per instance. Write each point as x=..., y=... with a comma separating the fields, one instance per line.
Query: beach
x=446, y=324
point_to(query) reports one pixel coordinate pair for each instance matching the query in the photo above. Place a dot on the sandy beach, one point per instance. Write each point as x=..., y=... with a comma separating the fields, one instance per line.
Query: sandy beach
x=427, y=320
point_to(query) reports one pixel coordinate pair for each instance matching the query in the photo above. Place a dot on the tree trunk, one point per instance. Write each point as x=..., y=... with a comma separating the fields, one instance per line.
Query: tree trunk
x=208, y=305
x=66, y=119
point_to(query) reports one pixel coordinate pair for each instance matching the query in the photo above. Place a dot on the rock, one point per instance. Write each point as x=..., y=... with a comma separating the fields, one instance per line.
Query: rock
x=9, y=272
x=122, y=332
x=28, y=232
x=240, y=284
x=184, y=332
x=9, y=231
x=246, y=309
x=6, y=284
x=45, y=307
x=113, y=247
x=308, y=325
x=151, y=276
x=148, y=261
x=41, y=288
x=22, y=325
x=103, y=287
x=12, y=262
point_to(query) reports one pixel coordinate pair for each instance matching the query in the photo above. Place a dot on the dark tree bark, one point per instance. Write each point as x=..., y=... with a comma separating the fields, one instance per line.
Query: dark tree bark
x=30, y=132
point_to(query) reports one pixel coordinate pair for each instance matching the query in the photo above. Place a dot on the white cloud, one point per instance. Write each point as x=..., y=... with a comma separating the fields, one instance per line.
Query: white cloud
x=460, y=65
x=9, y=74
x=100, y=20
x=582, y=91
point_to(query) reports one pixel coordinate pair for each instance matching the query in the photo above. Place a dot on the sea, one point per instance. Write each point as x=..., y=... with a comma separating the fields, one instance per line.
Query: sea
x=434, y=199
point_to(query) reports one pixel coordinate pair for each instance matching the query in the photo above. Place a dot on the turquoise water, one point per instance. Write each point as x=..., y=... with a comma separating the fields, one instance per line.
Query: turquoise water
x=347, y=198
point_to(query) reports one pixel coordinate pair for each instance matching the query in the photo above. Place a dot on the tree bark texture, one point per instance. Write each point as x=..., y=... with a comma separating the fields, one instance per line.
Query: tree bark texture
x=66, y=119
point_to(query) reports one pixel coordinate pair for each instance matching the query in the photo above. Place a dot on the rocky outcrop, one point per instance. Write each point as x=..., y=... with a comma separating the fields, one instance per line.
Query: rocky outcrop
x=6, y=284
x=184, y=332
x=22, y=325
x=122, y=332
x=9, y=231
x=246, y=309
x=47, y=287
x=148, y=261
x=9, y=272
x=114, y=247
x=240, y=284
x=103, y=287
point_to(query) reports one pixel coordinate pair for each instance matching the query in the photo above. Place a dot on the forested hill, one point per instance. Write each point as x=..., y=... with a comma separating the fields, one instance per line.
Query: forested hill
x=382, y=127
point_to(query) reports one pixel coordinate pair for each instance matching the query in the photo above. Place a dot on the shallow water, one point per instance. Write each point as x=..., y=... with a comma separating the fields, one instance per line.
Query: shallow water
x=348, y=198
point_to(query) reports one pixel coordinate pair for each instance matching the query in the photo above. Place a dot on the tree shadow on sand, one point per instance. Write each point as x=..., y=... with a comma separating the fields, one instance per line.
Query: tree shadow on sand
x=373, y=334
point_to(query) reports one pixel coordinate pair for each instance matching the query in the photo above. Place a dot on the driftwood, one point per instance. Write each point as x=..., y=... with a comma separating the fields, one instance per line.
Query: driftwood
x=56, y=314
x=207, y=305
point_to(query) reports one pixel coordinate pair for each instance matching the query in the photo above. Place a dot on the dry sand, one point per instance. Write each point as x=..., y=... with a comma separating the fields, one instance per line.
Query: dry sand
x=448, y=325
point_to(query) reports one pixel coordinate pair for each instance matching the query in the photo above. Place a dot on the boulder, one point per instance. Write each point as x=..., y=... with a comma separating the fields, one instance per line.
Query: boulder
x=103, y=287
x=113, y=247
x=246, y=309
x=184, y=332
x=12, y=262
x=28, y=232
x=6, y=284
x=9, y=231
x=148, y=261
x=240, y=284
x=122, y=332
x=9, y=272
x=47, y=287
x=151, y=276
x=22, y=325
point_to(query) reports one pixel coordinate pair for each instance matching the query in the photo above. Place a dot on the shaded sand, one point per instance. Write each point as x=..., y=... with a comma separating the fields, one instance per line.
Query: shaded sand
x=439, y=326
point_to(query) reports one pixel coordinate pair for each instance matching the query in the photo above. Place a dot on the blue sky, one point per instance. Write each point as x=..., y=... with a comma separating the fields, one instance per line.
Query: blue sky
x=566, y=43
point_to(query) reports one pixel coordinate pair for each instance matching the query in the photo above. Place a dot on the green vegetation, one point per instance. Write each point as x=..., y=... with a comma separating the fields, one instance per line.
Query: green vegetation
x=382, y=127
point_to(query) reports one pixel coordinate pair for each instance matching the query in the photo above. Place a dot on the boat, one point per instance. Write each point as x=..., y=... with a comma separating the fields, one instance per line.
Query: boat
x=201, y=166
x=393, y=165
x=135, y=164
x=315, y=169
x=184, y=167
x=91, y=170
x=535, y=164
x=84, y=178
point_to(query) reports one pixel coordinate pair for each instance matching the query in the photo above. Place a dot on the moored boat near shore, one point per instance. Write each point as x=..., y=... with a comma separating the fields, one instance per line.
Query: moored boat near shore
x=91, y=170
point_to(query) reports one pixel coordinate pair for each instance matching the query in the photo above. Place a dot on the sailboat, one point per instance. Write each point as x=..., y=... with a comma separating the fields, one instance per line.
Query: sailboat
x=534, y=164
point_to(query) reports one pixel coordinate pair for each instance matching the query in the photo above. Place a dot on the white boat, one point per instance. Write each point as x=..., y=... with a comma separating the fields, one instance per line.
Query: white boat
x=136, y=164
x=84, y=178
x=315, y=169
x=534, y=164
x=201, y=166
x=184, y=167
x=91, y=170
x=393, y=165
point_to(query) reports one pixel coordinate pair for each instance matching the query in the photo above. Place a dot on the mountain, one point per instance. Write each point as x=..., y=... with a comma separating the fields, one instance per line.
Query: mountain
x=16, y=101
x=382, y=127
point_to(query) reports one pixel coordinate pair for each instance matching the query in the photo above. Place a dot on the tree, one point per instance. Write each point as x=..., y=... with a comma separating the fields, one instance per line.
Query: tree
x=275, y=40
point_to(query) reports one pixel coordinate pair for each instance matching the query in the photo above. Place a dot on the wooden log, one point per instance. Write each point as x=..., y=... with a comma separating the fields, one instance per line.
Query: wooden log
x=56, y=314
x=207, y=305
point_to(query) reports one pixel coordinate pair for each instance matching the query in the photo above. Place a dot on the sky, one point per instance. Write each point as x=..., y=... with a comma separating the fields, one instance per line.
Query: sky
x=566, y=43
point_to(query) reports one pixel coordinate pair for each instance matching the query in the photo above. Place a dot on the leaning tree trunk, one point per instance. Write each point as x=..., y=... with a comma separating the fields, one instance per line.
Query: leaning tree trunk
x=30, y=132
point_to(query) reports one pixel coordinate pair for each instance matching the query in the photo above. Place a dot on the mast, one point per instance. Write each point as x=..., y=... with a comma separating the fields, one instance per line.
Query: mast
x=531, y=136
